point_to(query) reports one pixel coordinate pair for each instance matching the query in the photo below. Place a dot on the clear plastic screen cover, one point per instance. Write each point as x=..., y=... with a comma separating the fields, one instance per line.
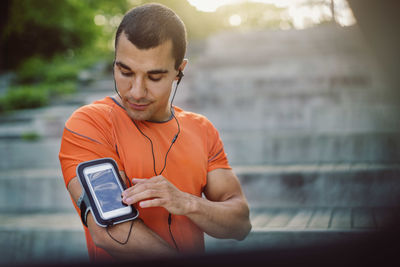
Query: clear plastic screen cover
x=104, y=185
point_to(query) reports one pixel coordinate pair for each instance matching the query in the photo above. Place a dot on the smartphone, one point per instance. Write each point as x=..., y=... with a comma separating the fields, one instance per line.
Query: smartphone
x=106, y=189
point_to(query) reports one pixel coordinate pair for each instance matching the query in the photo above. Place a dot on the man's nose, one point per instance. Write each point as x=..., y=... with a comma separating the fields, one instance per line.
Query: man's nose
x=138, y=89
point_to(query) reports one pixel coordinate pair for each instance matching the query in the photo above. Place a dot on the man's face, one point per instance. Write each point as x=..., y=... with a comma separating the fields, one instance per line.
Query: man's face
x=144, y=79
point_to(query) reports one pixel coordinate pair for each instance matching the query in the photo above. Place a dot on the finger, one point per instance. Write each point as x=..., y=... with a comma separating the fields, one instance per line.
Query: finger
x=157, y=202
x=156, y=179
x=131, y=189
x=138, y=188
x=139, y=180
x=127, y=192
x=153, y=180
x=135, y=198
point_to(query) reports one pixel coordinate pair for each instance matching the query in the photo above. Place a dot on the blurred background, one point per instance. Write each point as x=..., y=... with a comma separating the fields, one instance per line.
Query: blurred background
x=305, y=94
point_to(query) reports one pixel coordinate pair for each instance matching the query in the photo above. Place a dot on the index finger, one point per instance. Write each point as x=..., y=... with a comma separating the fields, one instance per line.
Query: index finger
x=134, y=181
x=138, y=180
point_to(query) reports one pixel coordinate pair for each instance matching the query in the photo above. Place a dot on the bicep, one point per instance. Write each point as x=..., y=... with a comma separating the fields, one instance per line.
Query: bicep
x=222, y=184
x=75, y=189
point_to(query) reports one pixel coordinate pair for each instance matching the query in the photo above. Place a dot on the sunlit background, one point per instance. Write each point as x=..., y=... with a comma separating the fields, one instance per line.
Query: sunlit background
x=299, y=14
x=275, y=14
x=304, y=94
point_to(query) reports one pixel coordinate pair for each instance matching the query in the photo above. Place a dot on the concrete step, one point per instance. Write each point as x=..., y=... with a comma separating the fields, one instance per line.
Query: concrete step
x=29, y=190
x=46, y=122
x=19, y=154
x=324, y=218
x=322, y=185
x=41, y=238
x=297, y=228
x=269, y=148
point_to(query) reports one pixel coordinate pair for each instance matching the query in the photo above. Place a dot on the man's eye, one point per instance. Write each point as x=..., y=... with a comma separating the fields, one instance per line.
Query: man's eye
x=154, y=79
x=127, y=74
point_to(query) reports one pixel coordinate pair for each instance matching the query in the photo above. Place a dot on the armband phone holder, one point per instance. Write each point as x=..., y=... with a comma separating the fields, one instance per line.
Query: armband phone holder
x=101, y=193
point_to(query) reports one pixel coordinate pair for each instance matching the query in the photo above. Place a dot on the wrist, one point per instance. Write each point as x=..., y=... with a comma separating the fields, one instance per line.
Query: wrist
x=192, y=204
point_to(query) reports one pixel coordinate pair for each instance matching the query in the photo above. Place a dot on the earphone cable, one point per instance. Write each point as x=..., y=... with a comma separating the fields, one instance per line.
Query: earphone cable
x=173, y=140
x=154, y=160
x=170, y=232
x=127, y=238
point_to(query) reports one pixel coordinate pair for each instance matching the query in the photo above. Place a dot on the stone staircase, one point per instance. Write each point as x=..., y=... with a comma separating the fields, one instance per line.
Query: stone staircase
x=38, y=223
x=311, y=128
x=307, y=122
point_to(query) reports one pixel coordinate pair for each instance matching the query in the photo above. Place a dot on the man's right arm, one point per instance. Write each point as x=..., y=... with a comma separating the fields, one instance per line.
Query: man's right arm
x=142, y=242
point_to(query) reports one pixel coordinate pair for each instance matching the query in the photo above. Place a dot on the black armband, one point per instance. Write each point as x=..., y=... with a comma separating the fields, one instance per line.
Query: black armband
x=102, y=187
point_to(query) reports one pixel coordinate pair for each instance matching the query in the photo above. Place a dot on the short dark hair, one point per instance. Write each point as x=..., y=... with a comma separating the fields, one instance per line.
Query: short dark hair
x=150, y=25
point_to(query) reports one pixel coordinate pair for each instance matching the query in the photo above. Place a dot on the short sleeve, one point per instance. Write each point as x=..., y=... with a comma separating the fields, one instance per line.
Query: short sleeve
x=87, y=136
x=217, y=158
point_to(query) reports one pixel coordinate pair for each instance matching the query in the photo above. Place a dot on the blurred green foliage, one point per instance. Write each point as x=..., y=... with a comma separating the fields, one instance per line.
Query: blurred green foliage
x=39, y=79
x=22, y=97
x=30, y=136
x=57, y=69
x=46, y=27
x=34, y=95
x=47, y=43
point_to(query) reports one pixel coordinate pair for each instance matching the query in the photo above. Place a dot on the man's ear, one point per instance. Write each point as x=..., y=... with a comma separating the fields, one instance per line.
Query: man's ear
x=182, y=67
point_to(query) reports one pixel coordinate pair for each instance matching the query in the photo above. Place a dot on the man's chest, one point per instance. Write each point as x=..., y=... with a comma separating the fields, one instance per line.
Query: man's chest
x=151, y=153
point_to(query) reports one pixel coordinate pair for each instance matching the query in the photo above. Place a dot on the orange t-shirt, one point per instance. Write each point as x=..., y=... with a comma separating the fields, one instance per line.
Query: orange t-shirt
x=104, y=129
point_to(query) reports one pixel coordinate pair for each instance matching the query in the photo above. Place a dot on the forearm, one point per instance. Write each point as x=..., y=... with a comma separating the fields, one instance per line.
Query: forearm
x=141, y=242
x=223, y=214
x=224, y=219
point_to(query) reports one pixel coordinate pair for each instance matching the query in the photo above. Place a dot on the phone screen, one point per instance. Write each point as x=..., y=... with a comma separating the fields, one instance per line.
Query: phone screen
x=106, y=188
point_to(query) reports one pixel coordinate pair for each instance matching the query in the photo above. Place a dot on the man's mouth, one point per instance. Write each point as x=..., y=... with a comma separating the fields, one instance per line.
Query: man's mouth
x=138, y=106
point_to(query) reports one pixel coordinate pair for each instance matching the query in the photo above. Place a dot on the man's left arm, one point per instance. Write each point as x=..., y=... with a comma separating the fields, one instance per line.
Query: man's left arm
x=224, y=213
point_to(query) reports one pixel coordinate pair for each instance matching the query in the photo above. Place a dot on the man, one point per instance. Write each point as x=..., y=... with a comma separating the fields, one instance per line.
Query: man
x=171, y=156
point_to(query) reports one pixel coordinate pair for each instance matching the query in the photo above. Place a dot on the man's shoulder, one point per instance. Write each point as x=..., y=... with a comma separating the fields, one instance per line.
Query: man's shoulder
x=96, y=111
x=193, y=117
x=189, y=115
x=99, y=107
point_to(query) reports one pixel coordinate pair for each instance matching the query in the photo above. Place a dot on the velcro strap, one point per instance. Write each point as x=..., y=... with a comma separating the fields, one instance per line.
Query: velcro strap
x=83, y=207
x=84, y=213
